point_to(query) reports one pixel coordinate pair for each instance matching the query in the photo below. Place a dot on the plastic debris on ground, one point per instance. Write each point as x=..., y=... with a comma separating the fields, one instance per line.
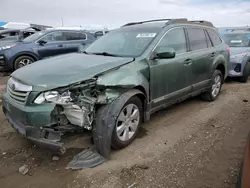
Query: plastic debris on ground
x=86, y=159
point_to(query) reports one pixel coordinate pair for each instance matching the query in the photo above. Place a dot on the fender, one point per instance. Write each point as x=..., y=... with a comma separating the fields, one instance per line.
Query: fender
x=105, y=122
x=27, y=53
x=220, y=59
x=129, y=76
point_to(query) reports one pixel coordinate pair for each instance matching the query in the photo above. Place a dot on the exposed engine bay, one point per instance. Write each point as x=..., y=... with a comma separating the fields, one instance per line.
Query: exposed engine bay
x=78, y=103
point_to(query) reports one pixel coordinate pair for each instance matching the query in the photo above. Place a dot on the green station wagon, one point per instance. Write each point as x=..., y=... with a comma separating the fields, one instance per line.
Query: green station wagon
x=116, y=83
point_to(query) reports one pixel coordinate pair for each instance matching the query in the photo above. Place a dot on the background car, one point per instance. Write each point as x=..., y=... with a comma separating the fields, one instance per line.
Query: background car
x=239, y=41
x=41, y=45
x=98, y=34
x=14, y=35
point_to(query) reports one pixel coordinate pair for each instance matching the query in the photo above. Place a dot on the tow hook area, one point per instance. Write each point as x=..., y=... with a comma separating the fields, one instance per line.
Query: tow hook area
x=46, y=138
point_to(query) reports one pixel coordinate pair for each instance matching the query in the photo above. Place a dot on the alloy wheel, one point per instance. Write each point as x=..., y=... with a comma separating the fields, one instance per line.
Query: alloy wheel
x=127, y=122
x=216, y=85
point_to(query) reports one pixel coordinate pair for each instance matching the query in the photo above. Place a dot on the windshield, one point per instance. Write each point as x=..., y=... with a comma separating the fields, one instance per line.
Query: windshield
x=237, y=39
x=35, y=36
x=125, y=42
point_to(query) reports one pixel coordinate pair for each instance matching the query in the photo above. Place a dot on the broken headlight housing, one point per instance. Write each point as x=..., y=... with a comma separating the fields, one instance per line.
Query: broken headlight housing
x=53, y=96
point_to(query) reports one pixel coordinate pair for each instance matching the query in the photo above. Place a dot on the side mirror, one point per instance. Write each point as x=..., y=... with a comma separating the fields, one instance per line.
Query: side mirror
x=164, y=53
x=42, y=42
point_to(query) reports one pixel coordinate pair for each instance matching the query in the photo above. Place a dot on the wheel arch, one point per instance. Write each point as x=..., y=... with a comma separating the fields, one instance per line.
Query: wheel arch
x=105, y=121
x=29, y=54
x=221, y=68
x=220, y=63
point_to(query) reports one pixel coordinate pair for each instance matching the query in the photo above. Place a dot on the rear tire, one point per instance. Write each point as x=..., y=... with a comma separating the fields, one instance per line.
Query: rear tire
x=215, y=89
x=22, y=61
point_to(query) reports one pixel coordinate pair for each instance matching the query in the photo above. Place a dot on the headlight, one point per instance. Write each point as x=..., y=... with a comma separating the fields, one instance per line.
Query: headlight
x=6, y=47
x=54, y=96
x=239, y=56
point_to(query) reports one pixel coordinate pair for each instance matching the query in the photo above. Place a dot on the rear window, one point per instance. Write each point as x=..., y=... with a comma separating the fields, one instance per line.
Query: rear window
x=214, y=37
x=237, y=39
x=197, y=38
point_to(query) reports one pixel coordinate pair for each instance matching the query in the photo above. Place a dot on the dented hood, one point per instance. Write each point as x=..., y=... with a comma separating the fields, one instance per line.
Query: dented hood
x=66, y=69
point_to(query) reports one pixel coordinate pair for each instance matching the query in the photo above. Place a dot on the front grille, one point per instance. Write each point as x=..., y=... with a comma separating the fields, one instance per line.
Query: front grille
x=19, y=96
x=17, y=91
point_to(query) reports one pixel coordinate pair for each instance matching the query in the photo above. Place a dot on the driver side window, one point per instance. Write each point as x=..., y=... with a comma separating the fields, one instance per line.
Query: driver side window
x=175, y=39
x=54, y=37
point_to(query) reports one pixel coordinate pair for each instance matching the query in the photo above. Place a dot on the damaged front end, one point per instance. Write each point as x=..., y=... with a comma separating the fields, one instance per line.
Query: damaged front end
x=74, y=111
x=75, y=102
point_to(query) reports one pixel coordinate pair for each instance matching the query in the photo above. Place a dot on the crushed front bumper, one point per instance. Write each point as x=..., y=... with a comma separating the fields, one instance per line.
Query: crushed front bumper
x=22, y=121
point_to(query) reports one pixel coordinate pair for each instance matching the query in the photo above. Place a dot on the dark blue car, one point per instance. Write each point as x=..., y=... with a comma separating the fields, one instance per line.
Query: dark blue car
x=41, y=45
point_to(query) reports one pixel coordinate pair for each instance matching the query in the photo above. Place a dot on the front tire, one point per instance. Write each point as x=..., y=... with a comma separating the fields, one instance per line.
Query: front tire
x=127, y=123
x=22, y=61
x=215, y=89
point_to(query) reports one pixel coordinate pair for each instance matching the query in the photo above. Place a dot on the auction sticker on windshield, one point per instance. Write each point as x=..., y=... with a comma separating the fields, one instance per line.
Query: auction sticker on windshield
x=146, y=35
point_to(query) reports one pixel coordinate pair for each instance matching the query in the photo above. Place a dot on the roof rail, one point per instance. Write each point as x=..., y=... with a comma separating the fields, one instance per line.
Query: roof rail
x=179, y=20
x=238, y=29
x=173, y=21
x=202, y=22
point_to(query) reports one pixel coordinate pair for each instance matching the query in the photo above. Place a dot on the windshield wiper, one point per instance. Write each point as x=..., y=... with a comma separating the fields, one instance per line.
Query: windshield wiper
x=105, y=54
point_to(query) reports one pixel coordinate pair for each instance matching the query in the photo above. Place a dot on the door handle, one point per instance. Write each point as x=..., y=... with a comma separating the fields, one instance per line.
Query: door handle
x=60, y=45
x=188, y=62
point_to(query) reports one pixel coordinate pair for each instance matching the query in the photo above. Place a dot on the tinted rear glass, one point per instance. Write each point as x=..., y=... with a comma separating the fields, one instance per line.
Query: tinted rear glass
x=197, y=38
x=214, y=37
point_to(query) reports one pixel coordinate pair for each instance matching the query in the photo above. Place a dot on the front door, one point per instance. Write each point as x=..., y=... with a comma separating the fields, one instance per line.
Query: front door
x=55, y=45
x=171, y=79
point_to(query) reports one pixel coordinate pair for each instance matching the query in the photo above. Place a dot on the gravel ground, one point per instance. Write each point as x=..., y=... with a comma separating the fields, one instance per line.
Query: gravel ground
x=192, y=144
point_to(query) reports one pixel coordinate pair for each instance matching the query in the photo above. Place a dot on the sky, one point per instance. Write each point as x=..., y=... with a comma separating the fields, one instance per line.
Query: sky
x=114, y=13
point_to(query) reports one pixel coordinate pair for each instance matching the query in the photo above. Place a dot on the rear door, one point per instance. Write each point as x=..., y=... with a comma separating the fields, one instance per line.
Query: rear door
x=75, y=41
x=55, y=45
x=171, y=79
x=202, y=56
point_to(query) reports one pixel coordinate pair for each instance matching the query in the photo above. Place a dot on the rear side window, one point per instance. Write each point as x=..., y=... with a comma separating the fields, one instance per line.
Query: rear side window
x=197, y=38
x=74, y=36
x=214, y=37
x=175, y=39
